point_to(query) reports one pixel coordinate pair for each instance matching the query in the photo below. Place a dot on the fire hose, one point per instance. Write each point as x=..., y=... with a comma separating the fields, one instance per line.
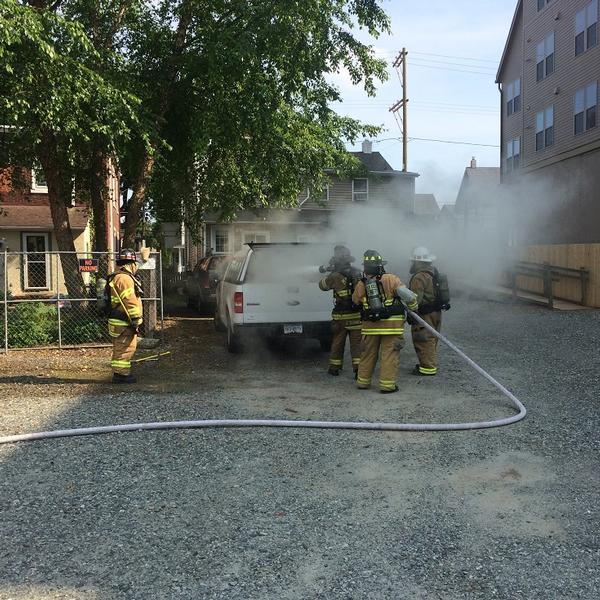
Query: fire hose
x=206, y=423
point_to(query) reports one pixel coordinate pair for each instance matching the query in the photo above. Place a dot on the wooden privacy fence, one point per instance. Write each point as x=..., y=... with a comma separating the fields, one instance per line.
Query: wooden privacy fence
x=572, y=272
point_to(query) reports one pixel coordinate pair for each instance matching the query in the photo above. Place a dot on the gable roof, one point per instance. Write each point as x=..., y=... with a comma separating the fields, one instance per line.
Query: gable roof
x=477, y=182
x=513, y=25
x=37, y=218
x=375, y=163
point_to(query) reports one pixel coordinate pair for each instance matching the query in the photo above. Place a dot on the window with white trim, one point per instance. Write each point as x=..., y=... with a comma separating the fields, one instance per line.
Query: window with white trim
x=360, y=190
x=513, y=155
x=36, y=261
x=38, y=180
x=221, y=241
x=585, y=108
x=544, y=128
x=513, y=97
x=544, y=58
x=586, y=28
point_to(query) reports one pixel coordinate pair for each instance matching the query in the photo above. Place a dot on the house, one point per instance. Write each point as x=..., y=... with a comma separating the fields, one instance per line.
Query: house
x=478, y=204
x=550, y=139
x=26, y=227
x=380, y=186
x=426, y=207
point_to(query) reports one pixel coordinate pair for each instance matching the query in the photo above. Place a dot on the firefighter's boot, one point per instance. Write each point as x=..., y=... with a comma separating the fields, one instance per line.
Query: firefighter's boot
x=118, y=378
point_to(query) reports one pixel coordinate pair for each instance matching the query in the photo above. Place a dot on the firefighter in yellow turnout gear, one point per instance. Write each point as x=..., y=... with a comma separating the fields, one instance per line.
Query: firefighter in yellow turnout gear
x=422, y=284
x=345, y=315
x=383, y=297
x=125, y=316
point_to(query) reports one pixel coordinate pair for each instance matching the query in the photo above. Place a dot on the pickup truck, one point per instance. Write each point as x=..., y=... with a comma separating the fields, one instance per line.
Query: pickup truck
x=272, y=290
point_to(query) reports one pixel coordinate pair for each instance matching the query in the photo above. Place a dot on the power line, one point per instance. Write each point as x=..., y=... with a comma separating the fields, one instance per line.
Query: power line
x=459, y=57
x=438, y=141
x=487, y=73
x=453, y=64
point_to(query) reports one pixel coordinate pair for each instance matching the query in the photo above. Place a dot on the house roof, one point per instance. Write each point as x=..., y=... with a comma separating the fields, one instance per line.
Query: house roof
x=426, y=205
x=477, y=182
x=508, y=39
x=38, y=218
x=375, y=163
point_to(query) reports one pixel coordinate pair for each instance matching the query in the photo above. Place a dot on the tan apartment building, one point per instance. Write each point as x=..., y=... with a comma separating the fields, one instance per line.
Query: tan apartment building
x=550, y=138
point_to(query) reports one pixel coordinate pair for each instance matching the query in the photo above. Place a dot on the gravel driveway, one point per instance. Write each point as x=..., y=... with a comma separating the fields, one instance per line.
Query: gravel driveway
x=505, y=513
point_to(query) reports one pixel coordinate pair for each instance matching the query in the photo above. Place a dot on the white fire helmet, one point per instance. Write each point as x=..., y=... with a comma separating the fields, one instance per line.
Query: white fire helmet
x=421, y=254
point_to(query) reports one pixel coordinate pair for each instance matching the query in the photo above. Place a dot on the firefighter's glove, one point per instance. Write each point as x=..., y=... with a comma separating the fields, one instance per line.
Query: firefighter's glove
x=406, y=295
x=322, y=269
x=136, y=325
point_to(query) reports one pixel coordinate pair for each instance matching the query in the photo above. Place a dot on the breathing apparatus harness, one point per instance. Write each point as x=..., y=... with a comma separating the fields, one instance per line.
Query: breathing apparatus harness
x=376, y=306
x=441, y=292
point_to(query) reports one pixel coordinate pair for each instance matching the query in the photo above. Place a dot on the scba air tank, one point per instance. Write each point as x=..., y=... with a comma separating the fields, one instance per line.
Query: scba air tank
x=374, y=296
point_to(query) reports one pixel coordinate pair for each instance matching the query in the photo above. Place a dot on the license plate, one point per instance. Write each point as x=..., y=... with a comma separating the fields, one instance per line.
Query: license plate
x=292, y=329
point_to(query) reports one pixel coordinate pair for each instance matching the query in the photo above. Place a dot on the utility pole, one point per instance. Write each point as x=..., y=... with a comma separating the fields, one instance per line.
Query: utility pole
x=402, y=118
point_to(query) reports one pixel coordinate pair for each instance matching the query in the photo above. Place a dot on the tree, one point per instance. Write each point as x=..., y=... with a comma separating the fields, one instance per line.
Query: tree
x=56, y=104
x=236, y=101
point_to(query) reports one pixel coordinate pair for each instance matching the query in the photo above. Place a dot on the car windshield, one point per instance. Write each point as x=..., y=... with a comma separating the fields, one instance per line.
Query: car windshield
x=288, y=264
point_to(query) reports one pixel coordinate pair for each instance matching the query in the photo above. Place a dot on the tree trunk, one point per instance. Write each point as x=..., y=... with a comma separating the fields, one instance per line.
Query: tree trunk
x=59, y=194
x=99, y=197
x=136, y=202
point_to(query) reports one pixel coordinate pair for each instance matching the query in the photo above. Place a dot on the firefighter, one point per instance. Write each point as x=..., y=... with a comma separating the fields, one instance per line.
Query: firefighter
x=125, y=317
x=422, y=284
x=345, y=316
x=383, y=297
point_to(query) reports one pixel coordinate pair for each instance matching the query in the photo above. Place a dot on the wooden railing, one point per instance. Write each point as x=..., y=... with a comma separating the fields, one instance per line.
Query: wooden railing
x=549, y=274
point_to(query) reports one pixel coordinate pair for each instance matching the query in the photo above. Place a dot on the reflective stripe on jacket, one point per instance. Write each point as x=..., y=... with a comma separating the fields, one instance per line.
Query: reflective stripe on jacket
x=343, y=308
x=126, y=305
x=394, y=324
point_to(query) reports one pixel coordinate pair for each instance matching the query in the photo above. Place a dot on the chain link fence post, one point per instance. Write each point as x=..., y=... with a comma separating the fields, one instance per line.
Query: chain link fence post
x=5, y=298
x=58, y=313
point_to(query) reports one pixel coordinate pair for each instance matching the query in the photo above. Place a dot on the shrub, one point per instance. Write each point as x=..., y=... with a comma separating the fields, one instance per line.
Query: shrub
x=32, y=324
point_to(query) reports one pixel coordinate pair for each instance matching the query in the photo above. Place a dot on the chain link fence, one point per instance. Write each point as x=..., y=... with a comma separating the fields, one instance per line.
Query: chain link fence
x=50, y=299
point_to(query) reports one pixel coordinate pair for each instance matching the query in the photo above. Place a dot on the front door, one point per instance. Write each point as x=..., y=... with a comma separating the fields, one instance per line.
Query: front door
x=37, y=271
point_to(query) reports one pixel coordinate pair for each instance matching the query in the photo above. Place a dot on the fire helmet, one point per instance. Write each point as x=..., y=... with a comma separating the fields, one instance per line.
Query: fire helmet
x=373, y=262
x=341, y=254
x=422, y=254
x=126, y=255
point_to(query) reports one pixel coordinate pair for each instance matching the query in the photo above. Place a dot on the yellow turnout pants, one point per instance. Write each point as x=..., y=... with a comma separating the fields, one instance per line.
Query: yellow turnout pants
x=341, y=329
x=124, y=341
x=372, y=345
x=426, y=343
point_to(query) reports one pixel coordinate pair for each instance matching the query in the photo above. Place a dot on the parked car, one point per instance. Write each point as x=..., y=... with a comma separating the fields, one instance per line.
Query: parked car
x=200, y=285
x=272, y=290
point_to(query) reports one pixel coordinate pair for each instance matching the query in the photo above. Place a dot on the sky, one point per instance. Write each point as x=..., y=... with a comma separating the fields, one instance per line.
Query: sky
x=454, y=51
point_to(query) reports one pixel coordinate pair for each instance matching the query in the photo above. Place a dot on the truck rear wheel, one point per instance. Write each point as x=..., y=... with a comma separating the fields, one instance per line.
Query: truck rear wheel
x=234, y=344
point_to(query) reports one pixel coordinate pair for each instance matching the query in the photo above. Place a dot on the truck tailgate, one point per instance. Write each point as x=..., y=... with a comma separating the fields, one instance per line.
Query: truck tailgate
x=286, y=303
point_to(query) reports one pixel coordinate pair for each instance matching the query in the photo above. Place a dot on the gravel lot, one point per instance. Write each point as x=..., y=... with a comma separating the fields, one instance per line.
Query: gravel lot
x=505, y=513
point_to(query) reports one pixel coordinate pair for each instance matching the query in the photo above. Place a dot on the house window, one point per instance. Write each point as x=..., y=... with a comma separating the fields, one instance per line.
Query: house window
x=586, y=108
x=221, y=241
x=513, y=155
x=256, y=237
x=542, y=3
x=545, y=58
x=513, y=97
x=586, y=28
x=38, y=180
x=544, y=128
x=360, y=190
x=36, y=265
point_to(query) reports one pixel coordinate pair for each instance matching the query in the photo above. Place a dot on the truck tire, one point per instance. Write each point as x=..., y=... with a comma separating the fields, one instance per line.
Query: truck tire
x=219, y=325
x=234, y=344
x=325, y=344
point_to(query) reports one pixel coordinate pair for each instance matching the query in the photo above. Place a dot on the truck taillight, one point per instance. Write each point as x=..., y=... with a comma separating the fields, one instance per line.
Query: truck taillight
x=238, y=302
